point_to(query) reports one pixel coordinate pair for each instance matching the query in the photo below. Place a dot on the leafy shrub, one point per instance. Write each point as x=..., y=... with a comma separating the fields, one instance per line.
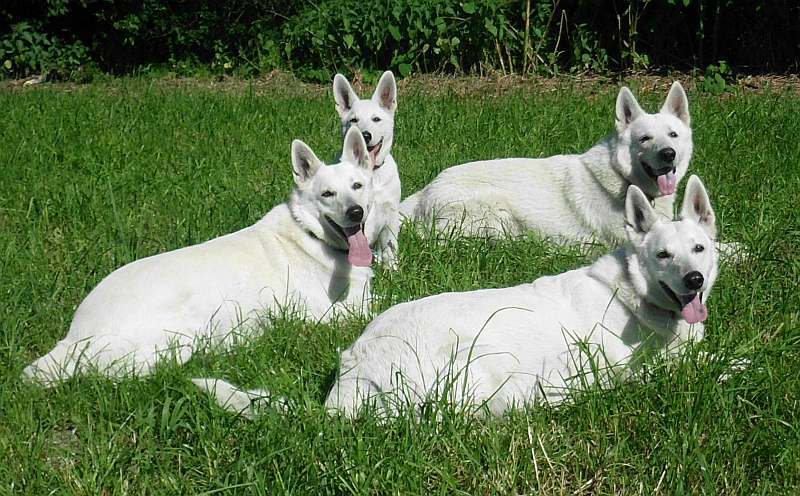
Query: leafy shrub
x=317, y=38
x=717, y=78
x=27, y=49
x=408, y=35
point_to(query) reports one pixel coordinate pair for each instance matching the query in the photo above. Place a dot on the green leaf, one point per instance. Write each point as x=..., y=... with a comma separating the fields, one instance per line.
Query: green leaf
x=405, y=69
x=7, y=64
x=469, y=8
x=349, y=40
x=395, y=32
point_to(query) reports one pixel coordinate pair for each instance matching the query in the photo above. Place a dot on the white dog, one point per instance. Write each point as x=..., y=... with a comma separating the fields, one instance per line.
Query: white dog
x=374, y=117
x=506, y=347
x=310, y=252
x=567, y=197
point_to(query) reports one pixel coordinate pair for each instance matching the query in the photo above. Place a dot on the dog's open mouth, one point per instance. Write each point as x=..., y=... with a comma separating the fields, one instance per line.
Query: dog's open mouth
x=374, y=150
x=665, y=177
x=692, y=307
x=359, y=253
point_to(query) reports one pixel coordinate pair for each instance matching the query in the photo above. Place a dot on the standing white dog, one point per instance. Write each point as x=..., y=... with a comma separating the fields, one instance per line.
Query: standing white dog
x=374, y=117
x=567, y=197
x=310, y=252
x=505, y=347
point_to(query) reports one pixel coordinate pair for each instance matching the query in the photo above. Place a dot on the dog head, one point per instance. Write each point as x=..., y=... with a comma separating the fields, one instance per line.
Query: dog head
x=333, y=201
x=673, y=264
x=654, y=149
x=373, y=117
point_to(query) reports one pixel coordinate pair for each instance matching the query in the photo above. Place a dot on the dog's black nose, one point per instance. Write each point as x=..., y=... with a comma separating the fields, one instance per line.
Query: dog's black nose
x=693, y=280
x=367, y=136
x=356, y=213
x=666, y=155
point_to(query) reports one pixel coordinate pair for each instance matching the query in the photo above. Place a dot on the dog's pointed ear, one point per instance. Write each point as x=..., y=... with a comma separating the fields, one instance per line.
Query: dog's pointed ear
x=355, y=149
x=628, y=109
x=304, y=162
x=639, y=215
x=677, y=103
x=343, y=94
x=697, y=206
x=386, y=93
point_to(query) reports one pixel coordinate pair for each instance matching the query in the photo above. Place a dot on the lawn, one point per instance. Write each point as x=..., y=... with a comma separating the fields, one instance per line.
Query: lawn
x=93, y=177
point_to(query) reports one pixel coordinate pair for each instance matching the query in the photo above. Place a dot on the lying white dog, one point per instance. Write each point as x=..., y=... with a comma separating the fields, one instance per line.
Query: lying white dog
x=374, y=117
x=567, y=197
x=310, y=252
x=503, y=348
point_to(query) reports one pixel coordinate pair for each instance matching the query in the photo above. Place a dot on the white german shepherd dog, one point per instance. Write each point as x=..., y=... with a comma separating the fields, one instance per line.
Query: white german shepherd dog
x=309, y=253
x=567, y=197
x=506, y=347
x=374, y=117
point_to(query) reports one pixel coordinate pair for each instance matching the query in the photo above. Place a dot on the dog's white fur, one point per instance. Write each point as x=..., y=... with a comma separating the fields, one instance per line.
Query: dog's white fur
x=292, y=257
x=505, y=347
x=565, y=197
x=374, y=117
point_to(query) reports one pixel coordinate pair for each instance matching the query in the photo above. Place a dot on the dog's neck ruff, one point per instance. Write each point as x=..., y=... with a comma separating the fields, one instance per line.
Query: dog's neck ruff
x=663, y=321
x=332, y=247
x=608, y=175
x=308, y=223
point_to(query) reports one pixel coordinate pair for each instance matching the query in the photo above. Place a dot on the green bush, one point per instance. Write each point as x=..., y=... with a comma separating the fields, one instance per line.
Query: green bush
x=407, y=36
x=317, y=38
x=28, y=49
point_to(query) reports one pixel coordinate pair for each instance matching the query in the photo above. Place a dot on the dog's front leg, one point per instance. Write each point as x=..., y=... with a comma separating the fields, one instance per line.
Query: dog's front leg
x=387, y=244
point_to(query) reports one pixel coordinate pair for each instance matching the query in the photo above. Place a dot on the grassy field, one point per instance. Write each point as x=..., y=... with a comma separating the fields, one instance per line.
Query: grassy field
x=94, y=177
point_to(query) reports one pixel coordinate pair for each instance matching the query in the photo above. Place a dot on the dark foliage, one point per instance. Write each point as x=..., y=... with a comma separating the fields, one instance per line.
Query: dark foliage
x=315, y=39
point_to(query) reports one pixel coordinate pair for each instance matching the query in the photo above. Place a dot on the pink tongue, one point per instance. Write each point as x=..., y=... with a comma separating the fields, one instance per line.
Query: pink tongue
x=359, y=253
x=374, y=154
x=667, y=183
x=695, y=311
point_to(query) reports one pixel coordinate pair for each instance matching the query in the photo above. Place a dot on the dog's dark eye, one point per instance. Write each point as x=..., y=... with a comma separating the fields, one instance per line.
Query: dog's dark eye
x=673, y=134
x=353, y=120
x=376, y=119
x=645, y=138
x=663, y=254
x=357, y=185
x=698, y=248
x=327, y=194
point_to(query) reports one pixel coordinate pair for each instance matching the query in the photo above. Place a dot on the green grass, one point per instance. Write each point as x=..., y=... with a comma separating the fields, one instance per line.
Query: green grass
x=94, y=177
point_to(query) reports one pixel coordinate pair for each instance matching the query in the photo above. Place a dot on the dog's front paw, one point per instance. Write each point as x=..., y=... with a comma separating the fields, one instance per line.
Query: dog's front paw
x=733, y=252
x=387, y=258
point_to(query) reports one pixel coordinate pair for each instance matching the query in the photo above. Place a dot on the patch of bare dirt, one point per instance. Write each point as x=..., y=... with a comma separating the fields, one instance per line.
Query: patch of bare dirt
x=286, y=84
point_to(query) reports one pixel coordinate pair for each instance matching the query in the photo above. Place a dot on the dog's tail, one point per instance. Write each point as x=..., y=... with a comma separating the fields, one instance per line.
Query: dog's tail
x=244, y=402
x=58, y=365
x=408, y=207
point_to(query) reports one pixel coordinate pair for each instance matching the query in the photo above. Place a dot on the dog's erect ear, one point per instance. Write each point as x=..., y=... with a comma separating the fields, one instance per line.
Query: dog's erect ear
x=628, y=109
x=639, y=215
x=343, y=94
x=304, y=162
x=386, y=92
x=355, y=149
x=697, y=207
x=677, y=103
